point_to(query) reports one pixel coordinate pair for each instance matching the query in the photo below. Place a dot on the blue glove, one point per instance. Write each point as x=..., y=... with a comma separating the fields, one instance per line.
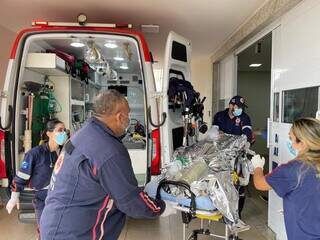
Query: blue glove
x=151, y=188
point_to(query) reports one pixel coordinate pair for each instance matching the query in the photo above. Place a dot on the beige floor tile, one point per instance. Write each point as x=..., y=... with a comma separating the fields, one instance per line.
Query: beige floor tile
x=164, y=228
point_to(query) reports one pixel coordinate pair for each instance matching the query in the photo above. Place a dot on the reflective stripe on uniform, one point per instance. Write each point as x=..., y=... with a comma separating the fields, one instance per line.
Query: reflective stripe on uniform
x=23, y=175
x=247, y=126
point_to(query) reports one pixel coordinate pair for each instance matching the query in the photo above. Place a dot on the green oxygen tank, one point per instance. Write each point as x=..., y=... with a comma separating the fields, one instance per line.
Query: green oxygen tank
x=40, y=115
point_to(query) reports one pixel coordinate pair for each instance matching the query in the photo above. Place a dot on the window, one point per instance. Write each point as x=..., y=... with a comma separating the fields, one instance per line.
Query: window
x=299, y=103
x=179, y=51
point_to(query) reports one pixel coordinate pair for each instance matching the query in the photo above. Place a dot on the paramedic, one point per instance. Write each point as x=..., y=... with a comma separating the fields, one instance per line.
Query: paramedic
x=93, y=186
x=37, y=166
x=234, y=120
x=298, y=181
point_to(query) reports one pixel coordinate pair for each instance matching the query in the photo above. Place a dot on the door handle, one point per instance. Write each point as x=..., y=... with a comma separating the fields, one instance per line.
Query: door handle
x=164, y=117
x=269, y=122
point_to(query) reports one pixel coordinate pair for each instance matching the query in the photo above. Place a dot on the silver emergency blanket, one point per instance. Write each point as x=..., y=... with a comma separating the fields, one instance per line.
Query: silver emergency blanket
x=207, y=166
x=224, y=195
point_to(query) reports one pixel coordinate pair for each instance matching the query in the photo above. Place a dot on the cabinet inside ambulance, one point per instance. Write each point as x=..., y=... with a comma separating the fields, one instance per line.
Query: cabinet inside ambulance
x=59, y=76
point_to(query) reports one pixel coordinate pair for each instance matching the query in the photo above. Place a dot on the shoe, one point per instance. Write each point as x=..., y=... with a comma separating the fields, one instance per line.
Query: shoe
x=232, y=237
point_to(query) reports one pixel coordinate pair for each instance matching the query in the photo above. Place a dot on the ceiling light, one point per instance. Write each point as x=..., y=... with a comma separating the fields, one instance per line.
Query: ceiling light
x=124, y=66
x=77, y=44
x=118, y=58
x=110, y=45
x=255, y=65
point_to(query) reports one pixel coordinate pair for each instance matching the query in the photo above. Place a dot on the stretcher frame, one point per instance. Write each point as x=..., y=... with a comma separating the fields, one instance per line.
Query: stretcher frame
x=190, y=213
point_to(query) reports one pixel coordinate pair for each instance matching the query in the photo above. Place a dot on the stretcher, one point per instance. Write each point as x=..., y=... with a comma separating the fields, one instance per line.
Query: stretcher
x=189, y=213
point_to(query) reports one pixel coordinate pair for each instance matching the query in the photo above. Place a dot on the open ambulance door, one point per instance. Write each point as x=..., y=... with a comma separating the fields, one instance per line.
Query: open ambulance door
x=8, y=94
x=176, y=64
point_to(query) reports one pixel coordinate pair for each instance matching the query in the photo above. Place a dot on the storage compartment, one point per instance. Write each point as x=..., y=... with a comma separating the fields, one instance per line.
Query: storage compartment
x=46, y=64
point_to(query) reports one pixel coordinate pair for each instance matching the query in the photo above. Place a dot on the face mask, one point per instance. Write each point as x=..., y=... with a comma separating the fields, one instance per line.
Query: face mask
x=125, y=126
x=291, y=150
x=61, y=138
x=237, y=112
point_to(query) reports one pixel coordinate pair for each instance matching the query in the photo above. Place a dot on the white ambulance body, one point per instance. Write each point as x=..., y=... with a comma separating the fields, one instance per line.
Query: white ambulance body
x=40, y=85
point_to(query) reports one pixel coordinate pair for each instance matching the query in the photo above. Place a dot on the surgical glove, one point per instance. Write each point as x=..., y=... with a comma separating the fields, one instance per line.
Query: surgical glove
x=213, y=133
x=14, y=200
x=151, y=188
x=258, y=161
x=170, y=210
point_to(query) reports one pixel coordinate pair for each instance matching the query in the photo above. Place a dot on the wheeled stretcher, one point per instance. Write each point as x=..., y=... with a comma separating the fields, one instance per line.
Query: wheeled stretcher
x=189, y=213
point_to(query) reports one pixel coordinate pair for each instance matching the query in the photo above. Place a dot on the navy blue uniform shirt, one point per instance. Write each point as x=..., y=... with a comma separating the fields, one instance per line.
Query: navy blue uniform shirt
x=299, y=187
x=93, y=188
x=36, y=169
x=236, y=126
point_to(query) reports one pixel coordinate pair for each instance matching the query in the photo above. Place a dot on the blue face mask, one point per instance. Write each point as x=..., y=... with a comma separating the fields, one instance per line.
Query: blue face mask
x=61, y=138
x=291, y=150
x=237, y=112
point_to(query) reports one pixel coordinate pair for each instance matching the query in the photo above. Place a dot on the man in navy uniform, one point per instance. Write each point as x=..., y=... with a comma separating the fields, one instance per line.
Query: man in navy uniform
x=93, y=186
x=234, y=120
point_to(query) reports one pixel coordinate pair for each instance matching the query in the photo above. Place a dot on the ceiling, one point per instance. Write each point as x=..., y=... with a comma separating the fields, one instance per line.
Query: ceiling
x=108, y=54
x=207, y=23
x=252, y=55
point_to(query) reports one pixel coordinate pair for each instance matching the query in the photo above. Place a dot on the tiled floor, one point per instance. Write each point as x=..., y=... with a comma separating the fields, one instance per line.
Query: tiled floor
x=165, y=228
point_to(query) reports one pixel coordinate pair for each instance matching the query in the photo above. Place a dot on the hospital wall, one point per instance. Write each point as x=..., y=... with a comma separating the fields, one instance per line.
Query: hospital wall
x=255, y=88
x=201, y=75
x=295, y=64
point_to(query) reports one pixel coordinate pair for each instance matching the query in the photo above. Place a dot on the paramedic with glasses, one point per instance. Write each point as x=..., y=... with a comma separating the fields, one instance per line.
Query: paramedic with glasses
x=298, y=181
x=93, y=186
x=37, y=166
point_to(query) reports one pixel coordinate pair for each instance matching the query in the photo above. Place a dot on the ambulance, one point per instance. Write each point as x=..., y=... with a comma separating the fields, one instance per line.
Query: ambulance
x=57, y=68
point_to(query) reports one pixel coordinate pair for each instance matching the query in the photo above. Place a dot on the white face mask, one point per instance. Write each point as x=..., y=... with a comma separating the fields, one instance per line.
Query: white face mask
x=125, y=126
x=237, y=112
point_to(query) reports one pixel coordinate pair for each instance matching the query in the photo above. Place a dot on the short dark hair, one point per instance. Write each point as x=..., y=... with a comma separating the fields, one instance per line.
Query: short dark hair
x=106, y=101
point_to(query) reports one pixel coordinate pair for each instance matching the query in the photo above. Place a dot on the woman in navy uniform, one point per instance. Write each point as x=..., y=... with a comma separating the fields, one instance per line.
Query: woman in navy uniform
x=37, y=166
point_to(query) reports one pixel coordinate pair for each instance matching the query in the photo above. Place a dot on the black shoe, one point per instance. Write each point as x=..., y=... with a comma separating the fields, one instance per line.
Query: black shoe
x=232, y=237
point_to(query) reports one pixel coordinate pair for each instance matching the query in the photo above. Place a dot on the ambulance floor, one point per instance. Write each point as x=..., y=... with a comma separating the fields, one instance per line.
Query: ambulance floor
x=167, y=228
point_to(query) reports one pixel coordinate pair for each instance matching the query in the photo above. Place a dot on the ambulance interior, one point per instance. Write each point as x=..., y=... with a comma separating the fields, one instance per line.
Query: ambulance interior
x=61, y=74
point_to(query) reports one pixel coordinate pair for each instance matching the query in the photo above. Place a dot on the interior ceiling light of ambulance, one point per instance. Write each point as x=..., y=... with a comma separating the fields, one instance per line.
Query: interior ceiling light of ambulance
x=77, y=43
x=118, y=58
x=124, y=66
x=110, y=45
